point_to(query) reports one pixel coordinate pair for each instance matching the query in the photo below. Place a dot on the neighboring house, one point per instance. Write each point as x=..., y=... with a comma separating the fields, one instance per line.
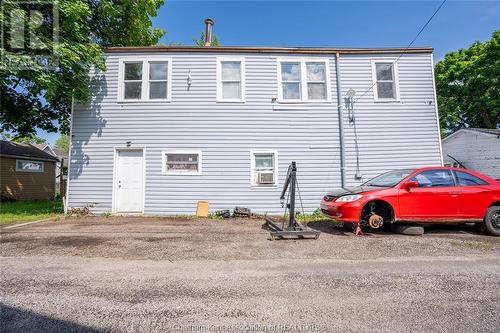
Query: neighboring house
x=26, y=172
x=62, y=156
x=477, y=149
x=168, y=126
x=62, y=166
x=60, y=153
x=45, y=147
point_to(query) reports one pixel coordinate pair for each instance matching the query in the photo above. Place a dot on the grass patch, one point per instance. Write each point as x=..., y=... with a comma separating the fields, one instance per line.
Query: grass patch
x=472, y=245
x=315, y=216
x=26, y=211
x=106, y=214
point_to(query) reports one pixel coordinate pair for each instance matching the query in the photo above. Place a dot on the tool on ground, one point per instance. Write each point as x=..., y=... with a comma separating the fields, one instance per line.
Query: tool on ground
x=294, y=228
x=225, y=213
x=242, y=212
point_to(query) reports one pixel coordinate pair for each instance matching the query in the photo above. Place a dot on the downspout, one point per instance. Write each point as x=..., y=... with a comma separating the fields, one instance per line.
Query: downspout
x=341, y=120
x=70, y=148
x=437, y=111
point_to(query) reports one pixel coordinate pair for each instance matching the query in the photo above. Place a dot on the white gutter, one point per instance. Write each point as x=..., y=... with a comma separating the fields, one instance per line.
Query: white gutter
x=437, y=112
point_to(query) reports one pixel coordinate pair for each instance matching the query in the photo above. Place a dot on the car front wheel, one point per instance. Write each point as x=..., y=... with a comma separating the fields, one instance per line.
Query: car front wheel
x=492, y=220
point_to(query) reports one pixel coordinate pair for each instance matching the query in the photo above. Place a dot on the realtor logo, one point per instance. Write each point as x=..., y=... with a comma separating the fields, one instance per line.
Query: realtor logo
x=29, y=32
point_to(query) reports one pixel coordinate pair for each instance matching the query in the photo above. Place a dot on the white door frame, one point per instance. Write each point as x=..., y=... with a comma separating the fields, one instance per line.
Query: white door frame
x=115, y=155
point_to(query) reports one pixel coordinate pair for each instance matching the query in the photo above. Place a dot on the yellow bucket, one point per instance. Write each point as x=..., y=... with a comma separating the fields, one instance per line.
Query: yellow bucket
x=202, y=209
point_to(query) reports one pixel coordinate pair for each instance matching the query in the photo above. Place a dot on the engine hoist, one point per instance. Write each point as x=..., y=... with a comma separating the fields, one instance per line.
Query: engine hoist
x=294, y=228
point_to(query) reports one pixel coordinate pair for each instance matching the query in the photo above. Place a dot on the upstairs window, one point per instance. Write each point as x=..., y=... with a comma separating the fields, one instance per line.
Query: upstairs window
x=132, y=80
x=158, y=79
x=230, y=80
x=291, y=80
x=144, y=80
x=385, y=85
x=316, y=80
x=303, y=81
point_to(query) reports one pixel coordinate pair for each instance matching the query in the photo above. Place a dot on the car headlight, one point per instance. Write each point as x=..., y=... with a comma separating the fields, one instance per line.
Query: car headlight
x=349, y=198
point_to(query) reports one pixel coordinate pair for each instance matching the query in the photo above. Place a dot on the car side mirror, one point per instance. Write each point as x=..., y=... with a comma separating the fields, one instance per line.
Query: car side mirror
x=410, y=184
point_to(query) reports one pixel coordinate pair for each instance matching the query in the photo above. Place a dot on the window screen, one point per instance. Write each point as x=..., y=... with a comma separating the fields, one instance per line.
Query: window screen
x=182, y=162
x=386, y=88
x=158, y=79
x=316, y=80
x=264, y=161
x=132, y=80
x=291, y=80
x=231, y=79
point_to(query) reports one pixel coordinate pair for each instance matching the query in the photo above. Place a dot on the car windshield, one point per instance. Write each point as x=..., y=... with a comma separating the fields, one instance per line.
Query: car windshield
x=388, y=179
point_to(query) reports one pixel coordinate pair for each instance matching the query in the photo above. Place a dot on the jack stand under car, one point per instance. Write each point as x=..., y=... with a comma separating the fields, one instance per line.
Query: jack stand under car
x=294, y=228
x=375, y=221
x=358, y=231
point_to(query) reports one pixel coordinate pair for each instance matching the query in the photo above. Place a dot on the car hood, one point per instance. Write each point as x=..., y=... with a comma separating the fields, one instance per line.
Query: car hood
x=353, y=190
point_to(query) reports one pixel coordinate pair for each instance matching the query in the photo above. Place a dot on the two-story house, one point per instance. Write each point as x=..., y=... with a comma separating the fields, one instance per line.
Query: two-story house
x=168, y=126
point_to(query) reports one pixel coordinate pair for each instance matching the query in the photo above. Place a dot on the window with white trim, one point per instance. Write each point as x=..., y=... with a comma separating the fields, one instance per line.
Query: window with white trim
x=29, y=166
x=302, y=80
x=291, y=78
x=181, y=162
x=385, y=86
x=158, y=79
x=264, y=168
x=230, y=79
x=132, y=80
x=316, y=80
x=145, y=79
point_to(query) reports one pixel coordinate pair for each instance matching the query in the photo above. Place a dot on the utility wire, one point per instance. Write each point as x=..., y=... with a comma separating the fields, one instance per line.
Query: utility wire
x=406, y=49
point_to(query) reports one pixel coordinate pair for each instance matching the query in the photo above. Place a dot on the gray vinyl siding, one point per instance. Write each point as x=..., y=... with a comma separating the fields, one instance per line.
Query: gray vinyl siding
x=475, y=150
x=391, y=135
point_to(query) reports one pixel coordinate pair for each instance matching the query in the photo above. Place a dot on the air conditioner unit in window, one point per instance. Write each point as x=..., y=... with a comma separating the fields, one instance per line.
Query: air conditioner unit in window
x=265, y=177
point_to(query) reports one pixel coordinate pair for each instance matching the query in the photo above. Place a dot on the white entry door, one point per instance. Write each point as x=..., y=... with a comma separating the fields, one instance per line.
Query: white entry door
x=129, y=181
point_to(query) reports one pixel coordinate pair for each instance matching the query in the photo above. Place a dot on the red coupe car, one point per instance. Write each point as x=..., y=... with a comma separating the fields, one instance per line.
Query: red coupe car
x=425, y=195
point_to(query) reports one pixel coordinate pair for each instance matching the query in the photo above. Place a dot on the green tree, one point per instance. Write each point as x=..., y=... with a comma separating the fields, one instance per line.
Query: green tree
x=201, y=41
x=33, y=95
x=62, y=143
x=31, y=138
x=468, y=86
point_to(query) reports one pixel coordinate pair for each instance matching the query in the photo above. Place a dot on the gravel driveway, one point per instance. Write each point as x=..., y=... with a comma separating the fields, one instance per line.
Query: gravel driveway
x=125, y=274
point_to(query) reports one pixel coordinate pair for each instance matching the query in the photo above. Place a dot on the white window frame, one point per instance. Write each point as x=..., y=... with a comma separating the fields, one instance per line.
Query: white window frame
x=395, y=75
x=164, y=170
x=141, y=80
x=220, y=98
x=145, y=79
x=303, y=80
x=252, y=168
x=29, y=161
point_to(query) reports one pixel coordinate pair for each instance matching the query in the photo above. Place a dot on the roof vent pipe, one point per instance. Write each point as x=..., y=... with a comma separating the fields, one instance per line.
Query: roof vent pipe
x=209, y=23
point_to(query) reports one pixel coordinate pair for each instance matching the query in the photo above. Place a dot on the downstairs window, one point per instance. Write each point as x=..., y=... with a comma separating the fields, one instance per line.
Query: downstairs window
x=181, y=162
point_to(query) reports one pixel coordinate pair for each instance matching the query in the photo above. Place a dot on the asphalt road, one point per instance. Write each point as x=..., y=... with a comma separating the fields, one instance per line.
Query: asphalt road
x=111, y=275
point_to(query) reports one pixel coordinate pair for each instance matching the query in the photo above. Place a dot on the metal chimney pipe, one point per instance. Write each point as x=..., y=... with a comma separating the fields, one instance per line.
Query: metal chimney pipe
x=209, y=23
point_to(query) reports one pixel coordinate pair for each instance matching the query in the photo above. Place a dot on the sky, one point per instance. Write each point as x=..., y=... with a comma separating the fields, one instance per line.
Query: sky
x=329, y=24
